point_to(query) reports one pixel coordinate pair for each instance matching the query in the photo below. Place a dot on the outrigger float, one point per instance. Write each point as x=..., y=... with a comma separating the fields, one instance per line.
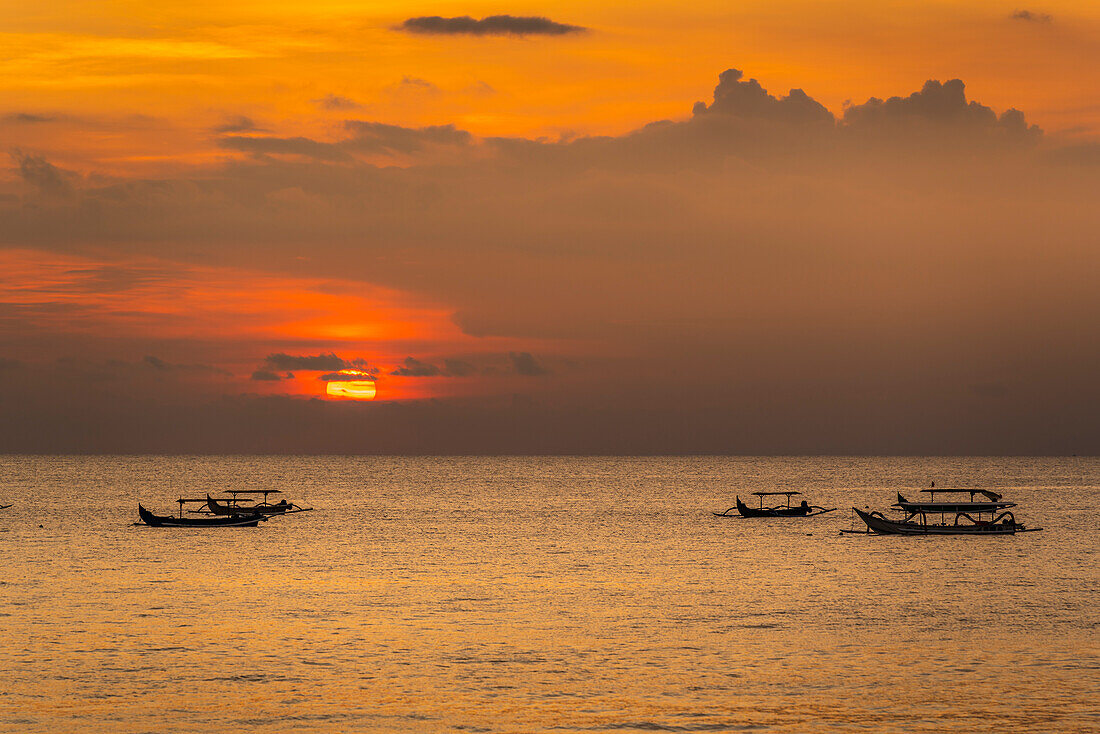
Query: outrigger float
x=992, y=516
x=226, y=512
x=801, y=510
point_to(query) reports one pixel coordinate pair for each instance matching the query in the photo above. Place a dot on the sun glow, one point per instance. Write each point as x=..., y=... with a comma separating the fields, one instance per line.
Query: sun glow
x=359, y=386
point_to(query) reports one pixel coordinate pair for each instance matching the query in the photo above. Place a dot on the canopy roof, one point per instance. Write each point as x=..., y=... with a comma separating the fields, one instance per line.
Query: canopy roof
x=253, y=491
x=769, y=494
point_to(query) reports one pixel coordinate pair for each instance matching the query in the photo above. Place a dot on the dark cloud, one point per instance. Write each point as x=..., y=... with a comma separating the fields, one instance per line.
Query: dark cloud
x=940, y=104
x=285, y=146
x=458, y=368
x=281, y=361
x=335, y=102
x=1032, y=17
x=238, y=124
x=40, y=173
x=524, y=364
x=416, y=368
x=265, y=375
x=155, y=362
x=750, y=100
x=376, y=137
x=493, y=25
x=344, y=377
x=30, y=118
x=417, y=85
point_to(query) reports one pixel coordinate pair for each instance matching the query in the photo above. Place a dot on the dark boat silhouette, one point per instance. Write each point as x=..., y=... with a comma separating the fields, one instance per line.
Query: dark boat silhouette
x=991, y=516
x=248, y=520
x=801, y=510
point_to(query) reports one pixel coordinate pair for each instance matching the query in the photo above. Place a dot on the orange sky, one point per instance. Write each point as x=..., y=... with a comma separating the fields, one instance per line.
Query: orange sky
x=139, y=85
x=206, y=201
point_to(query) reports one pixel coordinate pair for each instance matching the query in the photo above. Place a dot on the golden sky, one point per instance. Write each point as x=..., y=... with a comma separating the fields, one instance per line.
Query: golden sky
x=145, y=82
x=209, y=201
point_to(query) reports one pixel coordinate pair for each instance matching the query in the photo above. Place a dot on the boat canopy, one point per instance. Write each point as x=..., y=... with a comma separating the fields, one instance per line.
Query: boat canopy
x=253, y=491
x=993, y=496
x=769, y=494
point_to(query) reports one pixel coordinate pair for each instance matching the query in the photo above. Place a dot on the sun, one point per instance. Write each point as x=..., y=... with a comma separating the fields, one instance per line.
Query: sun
x=359, y=385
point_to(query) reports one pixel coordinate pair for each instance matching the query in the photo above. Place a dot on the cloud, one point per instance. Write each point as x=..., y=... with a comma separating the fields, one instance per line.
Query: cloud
x=285, y=146
x=43, y=175
x=416, y=85
x=281, y=361
x=335, y=102
x=155, y=362
x=750, y=100
x=30, y=118
x=524, y=364
x=458, y=368
x=493, y=25
x=265, y=375
x=752, y=267
x=937, y=103
x=1032, y=17
x=359, y=374
x=377, y=137
x=238, y=124
x=416, y=368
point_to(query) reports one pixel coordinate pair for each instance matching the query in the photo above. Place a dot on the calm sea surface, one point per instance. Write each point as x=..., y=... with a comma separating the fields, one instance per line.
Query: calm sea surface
x=542, y=594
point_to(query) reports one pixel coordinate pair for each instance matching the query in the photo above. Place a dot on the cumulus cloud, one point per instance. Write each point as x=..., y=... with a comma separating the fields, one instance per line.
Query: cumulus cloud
x=524, y=364
x=939, y=103
x=493, y=25
x=1032, y=17
x=335, y=102
x=750, y=100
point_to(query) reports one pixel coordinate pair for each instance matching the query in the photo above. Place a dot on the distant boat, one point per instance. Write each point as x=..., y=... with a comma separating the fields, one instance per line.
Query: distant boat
x=802, y=510
x=249, y=520
x=231, y=505
x=991, y=516
x=4, y=507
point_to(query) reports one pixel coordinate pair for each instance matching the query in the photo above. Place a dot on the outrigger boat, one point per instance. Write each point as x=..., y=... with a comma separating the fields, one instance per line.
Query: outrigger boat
x=802, y=510
x=992, y=516
x=231, y=505
x=241, y=520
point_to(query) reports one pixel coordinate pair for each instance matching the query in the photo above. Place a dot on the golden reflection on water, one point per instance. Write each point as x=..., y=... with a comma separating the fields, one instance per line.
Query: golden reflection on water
x=537, y=595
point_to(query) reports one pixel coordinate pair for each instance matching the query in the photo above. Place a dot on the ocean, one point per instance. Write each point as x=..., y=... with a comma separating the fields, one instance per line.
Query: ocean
x=538, y=594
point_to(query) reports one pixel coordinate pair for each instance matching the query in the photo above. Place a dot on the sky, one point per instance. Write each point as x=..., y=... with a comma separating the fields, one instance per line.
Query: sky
x=453, y=227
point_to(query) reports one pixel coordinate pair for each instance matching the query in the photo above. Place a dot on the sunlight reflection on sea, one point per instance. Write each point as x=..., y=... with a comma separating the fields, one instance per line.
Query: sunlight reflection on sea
x=539, y=594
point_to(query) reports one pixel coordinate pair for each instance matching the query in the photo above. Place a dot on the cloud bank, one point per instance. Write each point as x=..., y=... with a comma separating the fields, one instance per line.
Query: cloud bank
x=912, y=274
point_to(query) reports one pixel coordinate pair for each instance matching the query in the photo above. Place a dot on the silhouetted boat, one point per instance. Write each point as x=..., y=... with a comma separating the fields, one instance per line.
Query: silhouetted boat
x=230, y=505
x=4, y=507
x=989, y=517
x=802, y=510
x=229, y=521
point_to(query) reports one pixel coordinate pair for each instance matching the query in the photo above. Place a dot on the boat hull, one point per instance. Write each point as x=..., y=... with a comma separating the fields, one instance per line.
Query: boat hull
x=746, y=511
x=167, y=521
x=883, y=526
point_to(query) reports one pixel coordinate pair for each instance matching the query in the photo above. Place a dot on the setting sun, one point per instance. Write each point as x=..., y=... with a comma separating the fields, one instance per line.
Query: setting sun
x=359, y=386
